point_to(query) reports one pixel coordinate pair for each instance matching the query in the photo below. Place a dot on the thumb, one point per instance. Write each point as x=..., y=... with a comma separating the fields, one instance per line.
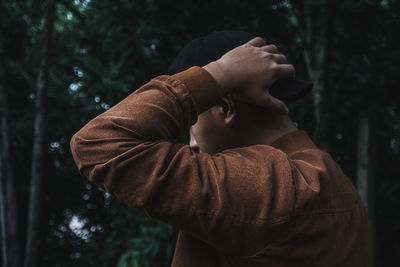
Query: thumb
x=274, y=104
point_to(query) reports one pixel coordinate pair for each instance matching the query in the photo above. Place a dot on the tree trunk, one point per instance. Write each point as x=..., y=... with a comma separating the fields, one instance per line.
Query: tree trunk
x=365, y=168
x=11, y=250
x=318, y=21
x=33, y=226
x=2, y=218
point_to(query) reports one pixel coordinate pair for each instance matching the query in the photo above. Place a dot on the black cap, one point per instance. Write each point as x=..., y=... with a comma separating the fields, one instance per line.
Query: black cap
x=205, y=49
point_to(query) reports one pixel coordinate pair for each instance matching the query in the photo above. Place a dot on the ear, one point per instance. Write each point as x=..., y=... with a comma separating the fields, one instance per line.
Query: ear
x=228, y=109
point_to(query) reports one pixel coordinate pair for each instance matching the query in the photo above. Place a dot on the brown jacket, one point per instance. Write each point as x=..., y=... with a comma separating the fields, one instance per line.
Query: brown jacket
x=288, y=204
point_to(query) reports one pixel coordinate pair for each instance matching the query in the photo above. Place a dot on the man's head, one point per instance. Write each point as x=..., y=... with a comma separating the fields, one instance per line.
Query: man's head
x=233, y=123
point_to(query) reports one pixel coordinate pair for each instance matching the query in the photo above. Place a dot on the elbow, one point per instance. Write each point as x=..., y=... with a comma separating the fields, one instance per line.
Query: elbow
x=74, y=146
x=77, y=151
x=91, y=148
x=98, y=145
x=87, y=158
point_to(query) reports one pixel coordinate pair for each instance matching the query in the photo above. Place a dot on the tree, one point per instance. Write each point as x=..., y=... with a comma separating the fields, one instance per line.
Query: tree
x=317, y=32
x=34, y=217
x=8, y=205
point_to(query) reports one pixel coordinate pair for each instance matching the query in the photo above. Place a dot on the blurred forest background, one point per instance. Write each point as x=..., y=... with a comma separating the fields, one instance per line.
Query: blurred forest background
x=62, y=62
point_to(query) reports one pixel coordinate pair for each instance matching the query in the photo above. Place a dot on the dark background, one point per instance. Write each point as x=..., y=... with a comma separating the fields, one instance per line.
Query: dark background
x=63, y=62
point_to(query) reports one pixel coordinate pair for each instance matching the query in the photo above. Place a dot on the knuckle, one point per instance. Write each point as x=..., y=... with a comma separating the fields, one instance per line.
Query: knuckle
x=274, y=67
x=259, y=39
x=273, y=47
x=269, y=56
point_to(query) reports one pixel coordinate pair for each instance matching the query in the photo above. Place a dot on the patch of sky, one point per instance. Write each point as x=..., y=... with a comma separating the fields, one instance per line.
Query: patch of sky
x=73, y=87
x=105, y=106
x=77, y=226
x=32, y=96
x=395, y=144
x=78, y=72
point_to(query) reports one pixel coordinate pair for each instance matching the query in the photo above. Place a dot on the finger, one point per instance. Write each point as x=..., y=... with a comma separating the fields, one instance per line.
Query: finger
x=279, y=58
x=258, y=42
x=271, y=48
x=274, y=104
x=285, y=71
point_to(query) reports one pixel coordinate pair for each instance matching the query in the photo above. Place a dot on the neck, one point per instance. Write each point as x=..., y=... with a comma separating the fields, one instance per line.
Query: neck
x=267, y=133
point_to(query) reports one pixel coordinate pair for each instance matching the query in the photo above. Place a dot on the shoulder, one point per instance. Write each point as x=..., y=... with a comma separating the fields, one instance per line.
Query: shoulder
x=320, y=183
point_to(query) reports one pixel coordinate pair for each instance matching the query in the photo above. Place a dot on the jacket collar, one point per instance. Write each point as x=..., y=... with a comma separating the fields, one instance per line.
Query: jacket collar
x=293, y=142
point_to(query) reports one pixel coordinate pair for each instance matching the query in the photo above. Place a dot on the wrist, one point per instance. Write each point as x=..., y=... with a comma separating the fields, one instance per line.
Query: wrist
x=203, y=87
x=220, y=76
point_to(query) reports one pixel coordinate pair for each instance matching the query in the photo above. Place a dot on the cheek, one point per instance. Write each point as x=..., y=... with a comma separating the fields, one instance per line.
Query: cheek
x=193, y=142
x=208, y=134
x=200, y=133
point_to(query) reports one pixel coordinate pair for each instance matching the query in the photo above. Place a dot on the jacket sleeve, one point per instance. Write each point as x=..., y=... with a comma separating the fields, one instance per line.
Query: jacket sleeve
x=236, y=200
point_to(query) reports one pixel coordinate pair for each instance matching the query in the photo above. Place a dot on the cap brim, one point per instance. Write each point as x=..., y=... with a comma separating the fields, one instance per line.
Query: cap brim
x=290, y=89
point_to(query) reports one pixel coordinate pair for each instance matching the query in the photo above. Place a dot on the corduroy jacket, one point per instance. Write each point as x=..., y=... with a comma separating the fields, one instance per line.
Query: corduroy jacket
x=284, y=204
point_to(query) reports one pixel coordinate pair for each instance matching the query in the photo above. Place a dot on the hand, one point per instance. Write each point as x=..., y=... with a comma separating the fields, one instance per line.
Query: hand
x=249, y=71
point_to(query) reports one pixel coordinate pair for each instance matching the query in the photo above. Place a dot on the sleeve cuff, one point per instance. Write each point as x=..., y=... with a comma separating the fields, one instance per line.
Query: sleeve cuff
x=202, y=86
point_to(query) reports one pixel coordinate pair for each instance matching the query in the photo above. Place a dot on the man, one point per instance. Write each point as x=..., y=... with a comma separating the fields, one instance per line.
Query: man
x=260, y=194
